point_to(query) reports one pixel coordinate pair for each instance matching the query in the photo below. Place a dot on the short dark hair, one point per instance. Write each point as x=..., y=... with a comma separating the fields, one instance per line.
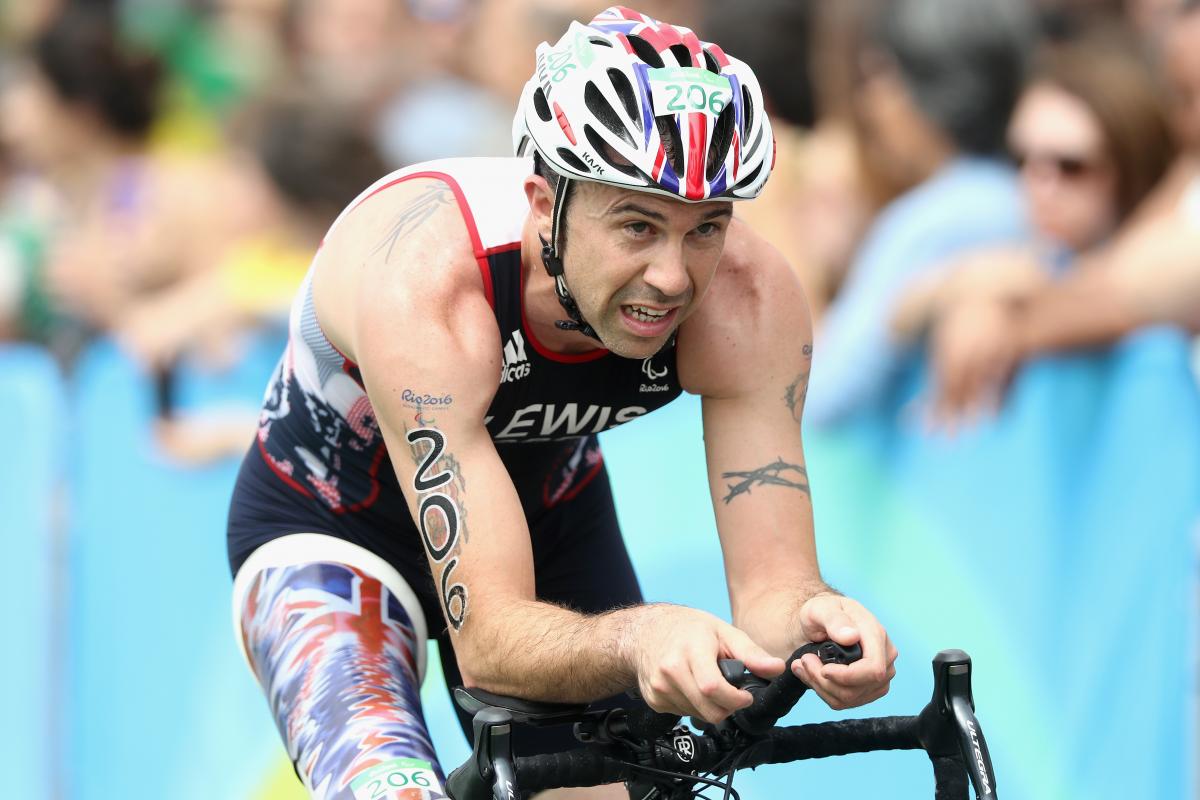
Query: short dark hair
x=82, y=55
x=963, y=60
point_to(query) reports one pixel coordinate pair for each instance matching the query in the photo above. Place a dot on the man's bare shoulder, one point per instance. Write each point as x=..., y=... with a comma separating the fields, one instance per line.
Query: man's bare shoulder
x=403, y=250
x=754, y=314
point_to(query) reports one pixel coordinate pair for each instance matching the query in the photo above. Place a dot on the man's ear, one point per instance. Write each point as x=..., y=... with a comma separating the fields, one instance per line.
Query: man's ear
x=541, y=204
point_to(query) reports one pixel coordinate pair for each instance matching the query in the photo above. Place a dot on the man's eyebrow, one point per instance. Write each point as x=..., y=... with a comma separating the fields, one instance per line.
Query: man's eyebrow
x=635, y=208
x=724, y=211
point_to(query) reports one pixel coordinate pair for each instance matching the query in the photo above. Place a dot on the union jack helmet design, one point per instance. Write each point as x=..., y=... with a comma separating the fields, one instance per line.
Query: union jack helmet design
x=631, y=101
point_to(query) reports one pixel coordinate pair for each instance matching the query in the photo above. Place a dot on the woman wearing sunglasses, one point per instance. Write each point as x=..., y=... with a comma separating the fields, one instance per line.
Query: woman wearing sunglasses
x=1091, y=138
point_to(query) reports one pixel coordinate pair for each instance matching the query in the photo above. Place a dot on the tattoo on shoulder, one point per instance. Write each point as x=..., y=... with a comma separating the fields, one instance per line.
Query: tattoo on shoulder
x=777, y=473
x=415, y=214
x=441, y=517
x=794, y=395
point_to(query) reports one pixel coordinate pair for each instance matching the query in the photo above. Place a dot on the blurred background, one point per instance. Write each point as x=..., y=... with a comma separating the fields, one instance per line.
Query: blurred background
x=994, y=207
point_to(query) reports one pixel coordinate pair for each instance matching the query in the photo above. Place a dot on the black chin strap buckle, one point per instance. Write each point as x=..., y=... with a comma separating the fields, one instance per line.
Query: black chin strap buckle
x=550, y=260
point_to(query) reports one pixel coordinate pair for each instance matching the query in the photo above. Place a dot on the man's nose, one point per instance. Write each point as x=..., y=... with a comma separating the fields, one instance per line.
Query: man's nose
x=667, y=272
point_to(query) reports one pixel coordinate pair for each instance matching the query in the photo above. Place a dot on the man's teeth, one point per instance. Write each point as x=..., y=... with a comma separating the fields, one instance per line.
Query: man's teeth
x=643, y=314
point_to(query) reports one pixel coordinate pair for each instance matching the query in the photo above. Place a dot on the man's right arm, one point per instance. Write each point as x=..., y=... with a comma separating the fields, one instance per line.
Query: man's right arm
x=427, y=345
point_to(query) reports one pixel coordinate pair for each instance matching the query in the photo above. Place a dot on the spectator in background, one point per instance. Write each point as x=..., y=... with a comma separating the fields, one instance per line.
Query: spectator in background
x=1145, y=269
x=938, y=84
x=816, y=215
x=457, y=96
x=301, y=162
x=77, y=113
x=360, y=51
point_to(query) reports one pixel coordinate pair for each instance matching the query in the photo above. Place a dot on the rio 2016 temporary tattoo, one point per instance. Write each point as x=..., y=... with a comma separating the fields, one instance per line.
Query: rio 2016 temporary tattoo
x=454, y=596
x=418, y=399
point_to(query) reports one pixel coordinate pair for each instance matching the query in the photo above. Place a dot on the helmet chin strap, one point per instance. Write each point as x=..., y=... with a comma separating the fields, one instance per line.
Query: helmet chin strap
x=554, y=267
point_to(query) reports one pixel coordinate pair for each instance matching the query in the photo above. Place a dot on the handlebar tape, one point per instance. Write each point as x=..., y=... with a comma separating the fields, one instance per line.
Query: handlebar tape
x=777, y=698
x=950, y=778
x=583, y=767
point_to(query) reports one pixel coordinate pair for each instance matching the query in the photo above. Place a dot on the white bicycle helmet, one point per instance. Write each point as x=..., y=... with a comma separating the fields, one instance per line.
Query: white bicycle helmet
x=631, y=101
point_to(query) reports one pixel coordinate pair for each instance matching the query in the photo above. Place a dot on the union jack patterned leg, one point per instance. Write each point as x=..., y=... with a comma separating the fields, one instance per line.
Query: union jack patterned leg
x=335, y=652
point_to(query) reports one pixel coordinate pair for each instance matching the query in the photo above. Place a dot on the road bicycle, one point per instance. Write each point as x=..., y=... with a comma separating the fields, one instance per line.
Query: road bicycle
x=658, y=758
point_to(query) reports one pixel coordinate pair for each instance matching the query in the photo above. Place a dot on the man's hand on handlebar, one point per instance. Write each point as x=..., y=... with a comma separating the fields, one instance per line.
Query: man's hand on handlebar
x=675, y=652
x=831, y=616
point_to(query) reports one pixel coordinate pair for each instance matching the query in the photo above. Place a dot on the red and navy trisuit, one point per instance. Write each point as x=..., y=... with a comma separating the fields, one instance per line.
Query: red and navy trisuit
x=319, y=464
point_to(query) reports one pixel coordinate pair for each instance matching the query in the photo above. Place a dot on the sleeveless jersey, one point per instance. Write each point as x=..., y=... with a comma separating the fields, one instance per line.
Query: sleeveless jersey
x=318, y=433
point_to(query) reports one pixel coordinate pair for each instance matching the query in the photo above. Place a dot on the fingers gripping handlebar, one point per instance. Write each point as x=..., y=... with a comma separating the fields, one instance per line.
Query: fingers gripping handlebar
x=773, y=700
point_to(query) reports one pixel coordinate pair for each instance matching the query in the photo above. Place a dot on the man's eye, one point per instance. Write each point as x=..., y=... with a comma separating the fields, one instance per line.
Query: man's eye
x=638, y=228
x=708, y=228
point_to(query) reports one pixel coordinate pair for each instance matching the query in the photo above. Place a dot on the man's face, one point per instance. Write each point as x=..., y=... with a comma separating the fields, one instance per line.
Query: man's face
x=638, y=264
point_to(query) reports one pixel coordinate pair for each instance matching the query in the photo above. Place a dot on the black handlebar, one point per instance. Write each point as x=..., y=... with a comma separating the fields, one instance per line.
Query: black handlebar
x=591, y=767
x=639, y=745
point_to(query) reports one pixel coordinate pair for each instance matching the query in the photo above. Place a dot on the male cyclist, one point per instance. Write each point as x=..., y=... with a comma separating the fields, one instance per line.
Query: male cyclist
x=427, y=452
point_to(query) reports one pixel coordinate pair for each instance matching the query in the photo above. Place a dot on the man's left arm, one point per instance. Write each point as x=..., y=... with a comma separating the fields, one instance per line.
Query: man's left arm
x=752, y=405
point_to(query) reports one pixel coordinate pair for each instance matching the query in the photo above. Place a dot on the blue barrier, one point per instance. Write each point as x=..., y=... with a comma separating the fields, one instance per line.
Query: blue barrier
x=160, y=702
x=32, y=403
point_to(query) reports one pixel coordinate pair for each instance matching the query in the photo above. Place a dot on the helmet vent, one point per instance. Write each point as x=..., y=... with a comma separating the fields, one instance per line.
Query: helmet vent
x=721, y=139
x=572, y=159
x=747, y=112
x=710, y=62
x=668, y=131
x=541, y=106
x=682, y=55
x=749, y=151
x=624, y=90
x=645, y=51
x=610, y=156
x=598, y=104
x=600, y=41
x=749, y=179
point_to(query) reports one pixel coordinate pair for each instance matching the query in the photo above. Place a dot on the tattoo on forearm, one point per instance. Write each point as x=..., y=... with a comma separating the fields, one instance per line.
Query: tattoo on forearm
x=415, y=214
x=779, y=473
x=438, y=514
x=797, y=389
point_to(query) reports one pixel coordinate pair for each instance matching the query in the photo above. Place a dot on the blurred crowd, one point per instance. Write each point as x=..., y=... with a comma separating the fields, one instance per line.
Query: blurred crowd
x=975, y=181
